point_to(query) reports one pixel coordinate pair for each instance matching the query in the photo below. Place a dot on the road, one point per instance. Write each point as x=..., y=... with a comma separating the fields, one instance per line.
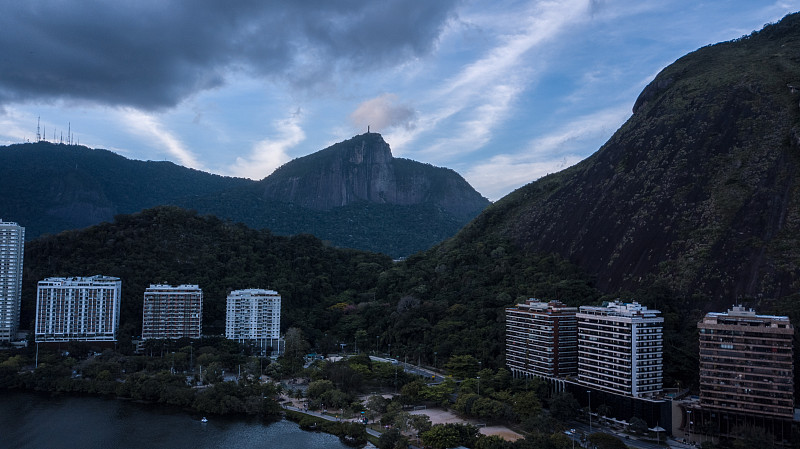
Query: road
x=430, y=376
x=327, y=418
x=581, y=428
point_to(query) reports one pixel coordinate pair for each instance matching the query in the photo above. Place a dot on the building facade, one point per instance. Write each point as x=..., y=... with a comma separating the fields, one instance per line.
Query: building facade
x=12, y=246
x=620, y=349
x=542, y=339
x=254, y=316
x=746, y=363
x=172, y=312
x=78, y=309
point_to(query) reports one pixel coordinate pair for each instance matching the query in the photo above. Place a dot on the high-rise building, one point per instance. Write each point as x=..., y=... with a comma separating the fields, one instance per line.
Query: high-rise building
x=620, y=349
x=746, y=363
x=542, y=339
x=172, y=312
x=12, y=244
x=254, y=316
x=78, y=309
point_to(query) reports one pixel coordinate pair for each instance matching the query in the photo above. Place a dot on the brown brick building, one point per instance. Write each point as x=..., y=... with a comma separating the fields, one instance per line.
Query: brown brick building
x=746, y=374
x=542, y=339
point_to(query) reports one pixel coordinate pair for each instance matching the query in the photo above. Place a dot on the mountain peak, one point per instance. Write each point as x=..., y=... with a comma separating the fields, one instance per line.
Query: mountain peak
x=362, y=169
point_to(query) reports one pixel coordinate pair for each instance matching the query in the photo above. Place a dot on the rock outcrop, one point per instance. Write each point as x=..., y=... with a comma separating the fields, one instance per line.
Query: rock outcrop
x=363, y=170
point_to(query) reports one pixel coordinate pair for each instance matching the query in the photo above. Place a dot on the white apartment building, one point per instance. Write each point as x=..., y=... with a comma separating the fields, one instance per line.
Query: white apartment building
x=78, y=309
x=172, y=312
x=12, y=245
x=620, y=349
x=254, y=316
x=542, y=339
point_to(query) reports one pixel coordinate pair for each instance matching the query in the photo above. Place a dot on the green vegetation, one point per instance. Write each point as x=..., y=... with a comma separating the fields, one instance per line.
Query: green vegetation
x=175, y=246
x=49, y=188
x=696, y=192
x=160, y=378
x=350, y=433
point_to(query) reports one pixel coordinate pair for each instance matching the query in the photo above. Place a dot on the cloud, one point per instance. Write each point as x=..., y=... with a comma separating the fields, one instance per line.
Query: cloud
x=149, y=127
x=269, y=154
x=477, y=99
x=382, y=113
x=153, y=54
x=573, y=135
x=503, y=173
x=549, y=153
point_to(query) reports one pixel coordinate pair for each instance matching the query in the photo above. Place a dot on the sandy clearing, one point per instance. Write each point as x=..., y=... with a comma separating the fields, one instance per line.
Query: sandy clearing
x=441, y=416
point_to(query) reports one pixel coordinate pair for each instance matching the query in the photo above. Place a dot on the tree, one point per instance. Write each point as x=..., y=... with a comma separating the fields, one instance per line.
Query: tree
x=443, y=436
x=606, y=441
x=526, y=404
x=462, y=366
x=560, y=441
x=564, y=407
x=376, y=404
x=420, y=423
x=296, y=348
x=392, y=439
x=410, y=392
x=318, y=387
x=637, y=425
x=491, y=442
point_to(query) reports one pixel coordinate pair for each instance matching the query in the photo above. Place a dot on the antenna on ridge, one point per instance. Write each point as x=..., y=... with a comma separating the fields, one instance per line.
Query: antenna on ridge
x=69, y=133
x=38, y=135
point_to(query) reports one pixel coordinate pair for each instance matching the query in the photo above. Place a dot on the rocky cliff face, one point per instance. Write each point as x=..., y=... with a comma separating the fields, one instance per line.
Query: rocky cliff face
x=362, y=170
x=699, y=189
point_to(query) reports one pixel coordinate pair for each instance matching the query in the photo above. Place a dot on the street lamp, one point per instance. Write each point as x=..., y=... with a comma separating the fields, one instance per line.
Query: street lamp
x=479, y=385
x=589, y=392
x=688, y=421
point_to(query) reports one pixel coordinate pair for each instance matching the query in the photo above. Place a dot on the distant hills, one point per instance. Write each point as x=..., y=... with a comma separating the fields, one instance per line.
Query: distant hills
x=388, y=205
x=698, y=192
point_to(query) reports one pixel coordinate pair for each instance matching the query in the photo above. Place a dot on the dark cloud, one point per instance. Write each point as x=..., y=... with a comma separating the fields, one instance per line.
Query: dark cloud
x=154, y=53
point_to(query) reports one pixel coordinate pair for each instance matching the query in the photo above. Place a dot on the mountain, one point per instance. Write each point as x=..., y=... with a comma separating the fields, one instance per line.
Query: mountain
x=50, y=187
x=361, y=170
x=394, y=206
x=355, y=194
x=699, y=191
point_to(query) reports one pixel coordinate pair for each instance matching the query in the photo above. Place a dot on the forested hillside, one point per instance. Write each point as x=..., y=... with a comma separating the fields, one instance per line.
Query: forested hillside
x=406, y=207
x=698, y=191
x=175, y=246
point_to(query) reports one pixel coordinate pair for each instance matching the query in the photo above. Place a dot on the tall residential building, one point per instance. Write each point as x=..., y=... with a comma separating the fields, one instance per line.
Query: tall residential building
x=542, y=339
x=746, y=364
x=620, y=349
x=172, y=312
x=254, y=315
x=12, y=244
x=78, y=309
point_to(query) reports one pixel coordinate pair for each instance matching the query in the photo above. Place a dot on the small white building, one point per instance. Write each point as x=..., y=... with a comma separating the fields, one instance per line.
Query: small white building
x=254, y=316
x=620, y=349
x=78, y=309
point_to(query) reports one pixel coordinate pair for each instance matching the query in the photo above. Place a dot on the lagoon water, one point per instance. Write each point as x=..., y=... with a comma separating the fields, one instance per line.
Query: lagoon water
x=41, y=421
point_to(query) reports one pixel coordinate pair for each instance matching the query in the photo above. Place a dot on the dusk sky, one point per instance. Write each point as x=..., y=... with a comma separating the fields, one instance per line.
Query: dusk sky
x=503, y=92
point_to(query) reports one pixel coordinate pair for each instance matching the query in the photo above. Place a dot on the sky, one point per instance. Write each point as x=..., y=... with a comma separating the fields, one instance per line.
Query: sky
x=502, y=91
